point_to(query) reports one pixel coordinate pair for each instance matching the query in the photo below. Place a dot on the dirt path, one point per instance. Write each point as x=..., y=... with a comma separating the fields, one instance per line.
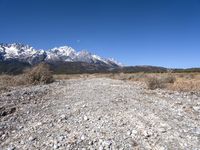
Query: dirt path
x=99, y=113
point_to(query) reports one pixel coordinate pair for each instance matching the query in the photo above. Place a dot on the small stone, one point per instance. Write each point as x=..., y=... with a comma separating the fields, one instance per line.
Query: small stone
x=107, y=143
x=20, y=127
x=39, y=123
x=63, y=116
x=8, y=94
x=91, y=143
x=134, y=131
x=67, y=106
x=162, y=130
x=48, y=135
x=11, y=148
x=100, y=147
x=4, y=136
x=59, y=144
x=146, y=133
x=32, y=138
x=128, y=133
x=82, y=137
x=196, y=108
x=55, y=142
x=196, y=131
x=85, y=118
x=55, y=146
x=22, y=142
x=60, y=138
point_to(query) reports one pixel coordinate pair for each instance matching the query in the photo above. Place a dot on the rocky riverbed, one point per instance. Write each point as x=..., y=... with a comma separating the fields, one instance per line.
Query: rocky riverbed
x=98, y=113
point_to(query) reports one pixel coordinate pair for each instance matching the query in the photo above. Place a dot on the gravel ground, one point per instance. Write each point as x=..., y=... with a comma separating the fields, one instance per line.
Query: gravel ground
x=98, y=113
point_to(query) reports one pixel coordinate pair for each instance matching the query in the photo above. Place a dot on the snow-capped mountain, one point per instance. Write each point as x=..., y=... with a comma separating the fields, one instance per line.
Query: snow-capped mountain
x=32, y=56
x=21, y=52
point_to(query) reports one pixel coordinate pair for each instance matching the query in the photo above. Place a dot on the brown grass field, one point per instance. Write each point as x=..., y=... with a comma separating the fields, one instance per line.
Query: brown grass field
x=182, y=82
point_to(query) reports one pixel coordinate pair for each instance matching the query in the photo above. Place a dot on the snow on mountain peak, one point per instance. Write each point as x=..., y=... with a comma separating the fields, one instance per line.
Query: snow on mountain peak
x=17, y=50
x=64, y=50
x=63, y=53
x=115, y=61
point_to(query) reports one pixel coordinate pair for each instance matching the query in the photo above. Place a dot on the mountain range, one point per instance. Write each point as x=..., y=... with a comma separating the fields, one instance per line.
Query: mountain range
x=14, y=58
x=28, y=54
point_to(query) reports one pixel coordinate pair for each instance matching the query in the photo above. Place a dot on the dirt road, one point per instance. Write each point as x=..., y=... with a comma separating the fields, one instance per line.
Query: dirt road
x=98, y=113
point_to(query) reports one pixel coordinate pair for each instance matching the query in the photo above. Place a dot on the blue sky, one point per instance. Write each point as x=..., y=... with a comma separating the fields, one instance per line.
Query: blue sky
x=135, y=32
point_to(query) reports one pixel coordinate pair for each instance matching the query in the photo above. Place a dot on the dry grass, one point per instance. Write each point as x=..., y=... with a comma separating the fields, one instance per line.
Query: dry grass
x=39, y=74
x=154, y=83
x=69, y=76
x=186, y=82
x=169, y=78
x=183, y=82
x=185, y=85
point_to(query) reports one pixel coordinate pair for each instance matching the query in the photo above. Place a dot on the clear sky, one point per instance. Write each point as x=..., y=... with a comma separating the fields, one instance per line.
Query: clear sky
x=135, y=32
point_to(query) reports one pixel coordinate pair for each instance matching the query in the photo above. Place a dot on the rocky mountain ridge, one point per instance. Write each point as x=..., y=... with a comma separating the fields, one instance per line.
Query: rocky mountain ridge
x=28, y=54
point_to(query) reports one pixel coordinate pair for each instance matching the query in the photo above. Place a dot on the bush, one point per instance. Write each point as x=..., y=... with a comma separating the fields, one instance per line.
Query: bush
x=169, y=79
x=154, y=83
x=5, y=80
x=39, y=74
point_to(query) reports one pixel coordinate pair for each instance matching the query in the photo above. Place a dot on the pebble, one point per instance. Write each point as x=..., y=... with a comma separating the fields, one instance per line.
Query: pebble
x=61, y=138
x=90, y=142
x=20, y=127
x=146, y=133
x=85, y=118
x=63, y=116
x=128, y=133
x=100, y=147
x=11, y=148
x=162, y=130
x=55, y=146
x=98, y=125
x=31, y=138
x=51, y=124
x=107, y=143
x=134, y=132
x=82, y=137
x=196, y=108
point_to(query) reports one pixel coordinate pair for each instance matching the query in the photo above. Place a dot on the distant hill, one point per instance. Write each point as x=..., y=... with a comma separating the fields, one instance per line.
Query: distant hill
x=147, y=69
x=13, y=67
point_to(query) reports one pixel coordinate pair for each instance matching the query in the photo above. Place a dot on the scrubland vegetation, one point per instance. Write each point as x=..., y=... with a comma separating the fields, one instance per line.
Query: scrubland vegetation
x=182, y=82
x=41, y=74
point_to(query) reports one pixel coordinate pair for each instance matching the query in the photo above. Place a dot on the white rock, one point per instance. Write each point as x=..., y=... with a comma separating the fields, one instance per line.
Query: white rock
x=31, y=138
x=196, y=108
x=85, y=118
x=128, y=133
x=82, y=137
x=134, y=132
x=63, y=116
